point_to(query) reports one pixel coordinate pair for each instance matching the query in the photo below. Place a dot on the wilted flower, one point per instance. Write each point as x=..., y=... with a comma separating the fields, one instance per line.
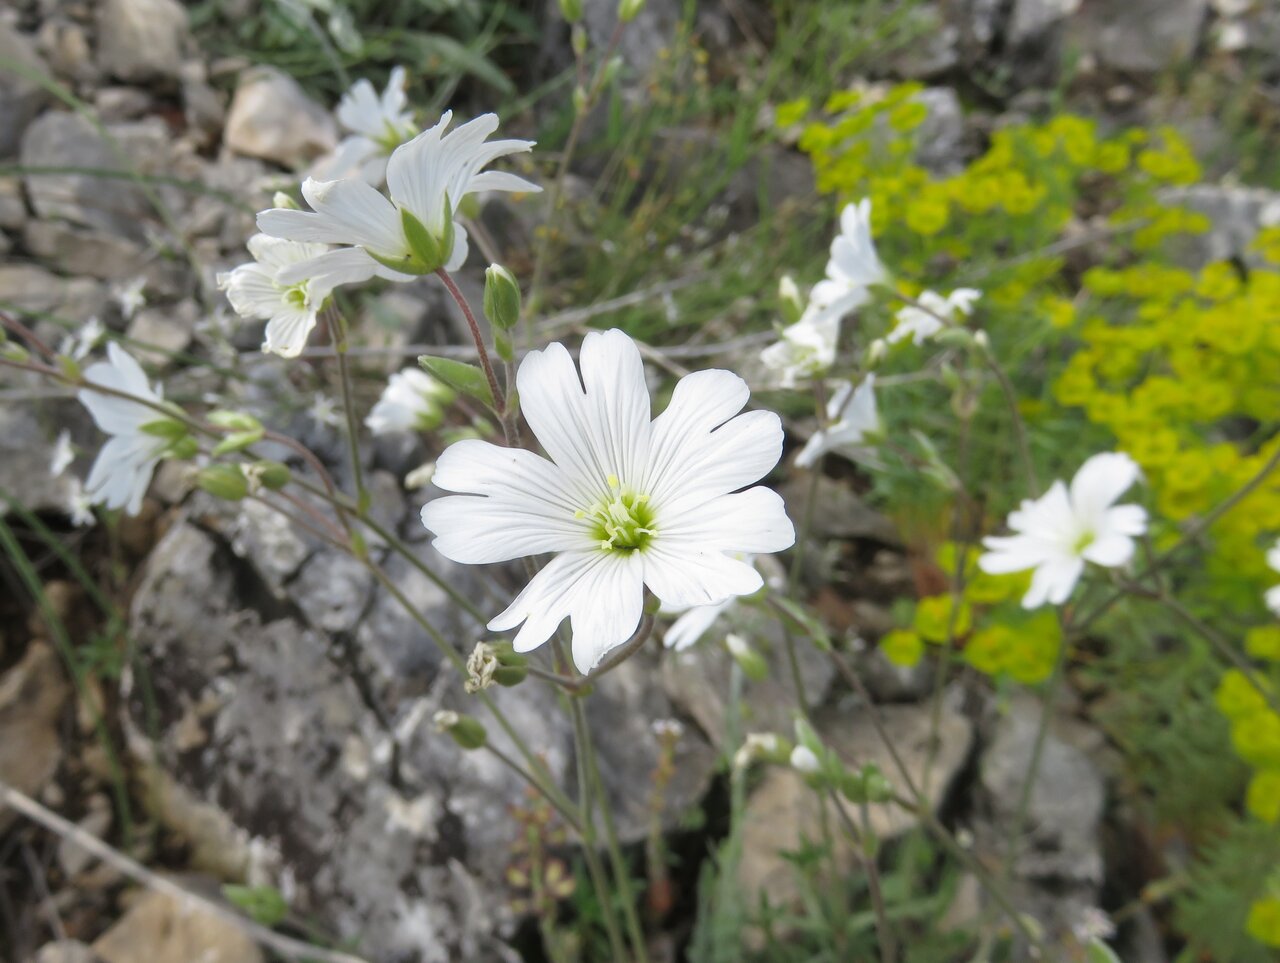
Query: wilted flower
x=481, y=665
x=122, y=471
x=63, y=454
x=933, y=314
x=625, y=502
x=807, y=348
x=427, y=179
x=854, y=421
x=1273, y=593
x=255, y=291
x=1060, y=531
x=379, y=125
x=130, y=297
x=411, y=401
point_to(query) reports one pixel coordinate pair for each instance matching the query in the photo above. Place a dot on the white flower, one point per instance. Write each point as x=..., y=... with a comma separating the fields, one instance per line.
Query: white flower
x=853, y=266
x=379, y=126
x=1273, y=593
x=122, y=470
x=757, y=745
x=919, y=324
x=79, y=345
x=1063, y=529
x=255, y=291
x=427, y=179
x=624, y=501
x=853, y=419
x=410, y=402
x=804, y=760
x=81, y=505
x=324, y=411
x=63, y=454
x=805, y=349
x=808, y=347
x=130, y=296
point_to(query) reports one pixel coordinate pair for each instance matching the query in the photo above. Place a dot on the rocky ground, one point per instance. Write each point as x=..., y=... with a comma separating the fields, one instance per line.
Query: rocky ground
x=272, y=718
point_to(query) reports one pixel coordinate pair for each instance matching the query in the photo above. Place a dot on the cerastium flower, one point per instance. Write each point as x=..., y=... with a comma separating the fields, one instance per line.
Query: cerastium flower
x=139, y=436
x=932, y=313
x=256, y=291
x=379, y=124
x=1060, y=531
x=412, y=401
x=414, y=230
x=854, y=424
x=625, y=501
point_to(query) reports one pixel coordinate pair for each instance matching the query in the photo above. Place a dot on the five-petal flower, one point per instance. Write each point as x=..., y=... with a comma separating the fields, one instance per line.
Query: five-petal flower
x=427, y=179
x=379, y=126
x=854, y=421
x=625, y=501
x=411, y=402
x=122, y=471
x=932, y=314
x=1060, y=531
x=256, y=291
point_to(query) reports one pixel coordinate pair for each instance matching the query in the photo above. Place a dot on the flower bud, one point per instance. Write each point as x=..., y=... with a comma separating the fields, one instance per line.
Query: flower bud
x=629, y=9
x=501, y=297
x=876, y=352
x=578, y=40
x=421, y=476
x=790, y=302
x=223, y=481
x=12, y=351
x=981, y=341
x=466, y=731
x=284, y=201
x=571, y=10
x=752, y=662
x=271, y=475
x=804, y=760
x=169, y=428
x=765, y=746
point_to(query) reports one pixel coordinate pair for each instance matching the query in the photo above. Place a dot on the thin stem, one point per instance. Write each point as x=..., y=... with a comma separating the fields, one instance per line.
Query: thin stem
x=884, y=931
x=287, y=947
x=567, y=814
x=338, y=334
x=1019, y=426
x=499, y=400
x=577, y=683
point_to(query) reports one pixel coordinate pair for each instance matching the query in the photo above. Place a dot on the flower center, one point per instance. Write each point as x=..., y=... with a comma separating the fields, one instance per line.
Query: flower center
x=1083, y=541
x=296, y=295
x=623, y=522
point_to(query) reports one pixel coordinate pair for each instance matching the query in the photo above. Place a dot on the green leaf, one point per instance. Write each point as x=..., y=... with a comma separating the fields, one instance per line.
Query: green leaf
x=467, y=378
x=807, y=621
x=1097, y=951
x=264, y=904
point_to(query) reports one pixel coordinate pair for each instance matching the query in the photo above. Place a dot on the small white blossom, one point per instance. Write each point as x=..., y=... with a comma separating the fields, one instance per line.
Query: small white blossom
x=664, y=729
x=737, y=645
x=411, y=402
x=324, y=411
x=625, y=501
x=290, y=310
x=807, y=348
x=427, y=178
x=1273, y=593
x=79, y=345
x=804, y=760
x=122, y=471
x=1092, y=925
x=81, y=506
x=63, y=454
x=130, y=296
x=757, y=745
x=854, y=421
x=1060, y=531
x=934, y=313
x=379, y=124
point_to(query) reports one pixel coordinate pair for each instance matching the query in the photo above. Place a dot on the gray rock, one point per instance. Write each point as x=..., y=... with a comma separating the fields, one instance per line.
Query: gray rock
x=110, y=204
x=141, y=39
x=273, y=119
x=26, y=448
x=32, y=696
x=1236, y=213
x=940, y=138
x=85, y=252
x=65, y=45
x=843, y=514
x=20, y=96
x=115, y=104
x=1141, y=36
x=333, y=590
x=651, y=31
x=33, y=289
x=166, y=331
x=203, y=107
x=947, y=34
x=13, y=207
x=783, y=810
x=1033, y=20
x=67, y=951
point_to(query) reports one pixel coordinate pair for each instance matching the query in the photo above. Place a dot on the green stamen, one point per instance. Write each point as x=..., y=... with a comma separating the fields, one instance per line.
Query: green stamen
x=622, y=523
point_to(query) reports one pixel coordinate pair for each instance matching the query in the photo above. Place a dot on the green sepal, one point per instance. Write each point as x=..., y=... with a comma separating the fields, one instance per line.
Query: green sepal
x=238, y=441
x=233, y=420
x=183, y=448
x=271, y=475
x=509, y=675
x=70, y=367
x=164, y=428
x=467, y=378
x=501, y=297
x=223, y=481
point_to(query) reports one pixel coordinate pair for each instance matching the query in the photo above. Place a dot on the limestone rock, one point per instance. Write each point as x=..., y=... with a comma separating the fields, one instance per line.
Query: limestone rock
x=162, y=929
x=783, y=811
x=26, y=449
x=141, y=39
x=167, y=329
x=273, y=119
x=20, y=96
x=1236, y=213
x=66, y=951
x=1141, y=36
x=85, y=252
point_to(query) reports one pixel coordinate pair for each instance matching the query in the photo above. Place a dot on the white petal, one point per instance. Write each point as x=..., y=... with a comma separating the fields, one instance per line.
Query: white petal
x=693, y=576
x=346, y=212
x=1053, y=581
x=592, y=434
x=251, y=291
x=121, y=373
x=601, y=593
x=287, y=332
x=122, y=471
x=739, y=452
x=348, y=265
x=502, y=181
x=754, y=521
x=1015, y=553
x=1100, y=481
x=1109, y=550
x=1125, y=520
x=417, y=173
x=360, y=110
x=276, y=253
x=1272, y=598
x=514, y=504
x=1273, y=556
x=693, y=625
